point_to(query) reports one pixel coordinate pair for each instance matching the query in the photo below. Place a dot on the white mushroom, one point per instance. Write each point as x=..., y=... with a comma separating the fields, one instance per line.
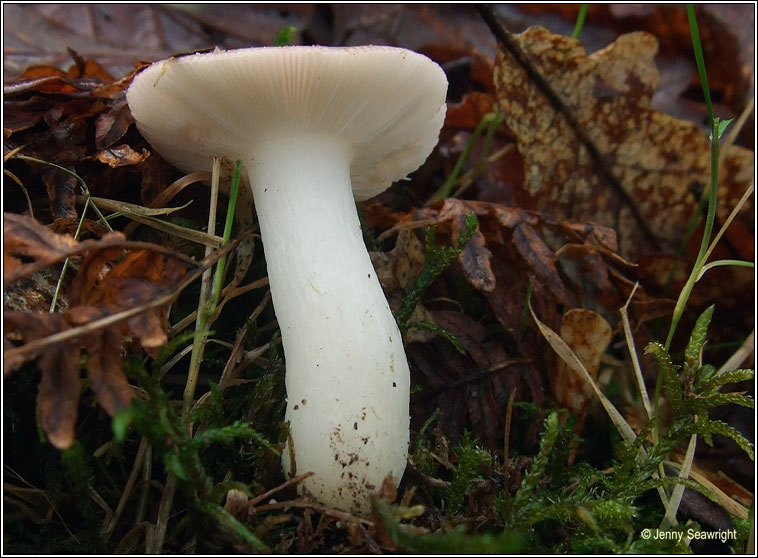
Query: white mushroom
x=316, y=128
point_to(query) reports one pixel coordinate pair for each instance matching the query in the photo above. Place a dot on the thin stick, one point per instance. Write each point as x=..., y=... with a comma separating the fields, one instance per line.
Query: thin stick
x=154, y=543
x=304, y=502
x=83, y=184
x=506, y=443
x=294, y=480
x=633, y=353
x=732, y=215
x=736, y=129
x=126, y=493
x=739, y=356
x=201, y=332
x=147, y=474
x=66, y=262
x=669, y=519
x=17, y=180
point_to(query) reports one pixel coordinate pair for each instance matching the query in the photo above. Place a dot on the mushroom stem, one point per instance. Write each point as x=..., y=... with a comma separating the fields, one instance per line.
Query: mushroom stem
x=347, y=377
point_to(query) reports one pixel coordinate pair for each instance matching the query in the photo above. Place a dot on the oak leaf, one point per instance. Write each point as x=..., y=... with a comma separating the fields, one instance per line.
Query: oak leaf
x=593, y=149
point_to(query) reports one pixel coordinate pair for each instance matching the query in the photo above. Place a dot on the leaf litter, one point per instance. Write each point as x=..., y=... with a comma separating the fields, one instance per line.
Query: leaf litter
x=108, y=281
x=604, y=154
x=561, y=221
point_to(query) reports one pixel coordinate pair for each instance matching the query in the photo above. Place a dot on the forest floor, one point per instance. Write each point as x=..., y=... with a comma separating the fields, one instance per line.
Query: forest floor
x=577, y=301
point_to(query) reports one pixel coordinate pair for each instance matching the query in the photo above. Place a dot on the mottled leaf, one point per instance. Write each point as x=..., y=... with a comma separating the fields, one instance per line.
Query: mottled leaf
x=588, y=335
x=593, y=148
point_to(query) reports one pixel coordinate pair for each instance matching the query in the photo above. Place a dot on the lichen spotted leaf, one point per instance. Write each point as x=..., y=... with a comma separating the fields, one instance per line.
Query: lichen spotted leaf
x=605, y=155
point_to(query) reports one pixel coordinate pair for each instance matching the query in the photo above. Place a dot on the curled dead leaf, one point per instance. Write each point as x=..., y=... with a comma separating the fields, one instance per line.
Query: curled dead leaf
x=110, y=280
x=112, y=125
x=25, y=239
x=121, y=156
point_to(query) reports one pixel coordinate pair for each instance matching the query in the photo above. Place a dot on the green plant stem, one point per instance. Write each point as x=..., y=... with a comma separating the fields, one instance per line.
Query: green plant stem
x=218, y=278
x=490, y=120
x=703, y=253
x=285, y=36
x=697, y=268
x=713, y=187
x=209, y=300
x=732, y=215
x=700, y=62
x=467, y=179
x=719, y=263
x=201, y=330
x=580, y=18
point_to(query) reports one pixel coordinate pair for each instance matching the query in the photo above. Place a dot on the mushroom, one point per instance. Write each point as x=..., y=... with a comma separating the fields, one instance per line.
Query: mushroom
x=316, y=129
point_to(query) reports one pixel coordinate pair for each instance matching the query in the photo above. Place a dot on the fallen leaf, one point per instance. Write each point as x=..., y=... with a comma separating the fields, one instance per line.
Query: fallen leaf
x=59, y=393
x=471, y=390
x=61, y=190
x=467, y=113
x=121, y=155
x=109, y=280
x=112, y=125
x=475, y=257
x=594, y=150
x=103, y=349
x=24, y=239
x=588, y=335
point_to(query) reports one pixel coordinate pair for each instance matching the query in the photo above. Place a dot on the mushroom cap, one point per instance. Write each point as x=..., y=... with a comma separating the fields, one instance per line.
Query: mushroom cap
x=386, y=104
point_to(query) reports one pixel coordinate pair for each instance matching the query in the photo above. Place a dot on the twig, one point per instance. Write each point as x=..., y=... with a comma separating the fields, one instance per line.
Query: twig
x=739, y=356
x=127, y=491
x=154, y=543
x=294, y=480
x=307, y=502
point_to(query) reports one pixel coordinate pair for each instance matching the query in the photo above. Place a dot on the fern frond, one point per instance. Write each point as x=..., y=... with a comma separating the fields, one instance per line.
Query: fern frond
x=693, y=352
x=670, y=375
x=714, y=381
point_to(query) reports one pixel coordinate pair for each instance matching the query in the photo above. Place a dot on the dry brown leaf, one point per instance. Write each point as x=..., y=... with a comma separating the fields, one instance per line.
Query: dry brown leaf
x=475, y=257
x=121, y=156
x=109, y=281
x=25, y=239
x=509, y=249
x=61, y=188
x=534, y=255
x=588, y=335
x=605, y=155
x=59, y=393
x=112, y=125
x=467, y=113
